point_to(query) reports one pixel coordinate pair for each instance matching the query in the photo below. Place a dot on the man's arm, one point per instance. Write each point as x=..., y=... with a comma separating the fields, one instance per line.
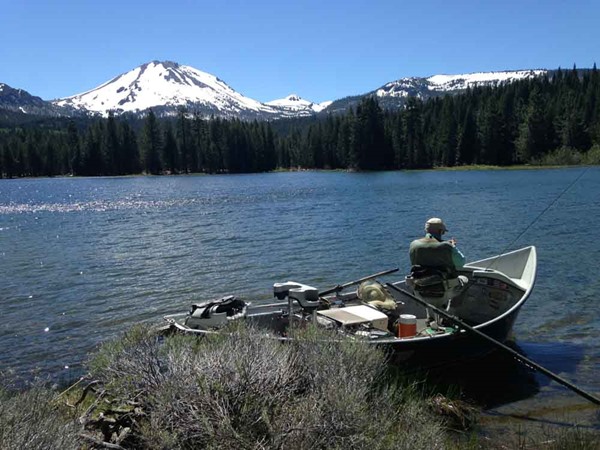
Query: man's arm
x=457, y=256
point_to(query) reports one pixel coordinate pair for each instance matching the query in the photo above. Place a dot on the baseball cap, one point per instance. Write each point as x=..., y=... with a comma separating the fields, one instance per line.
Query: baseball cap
x=435, y=224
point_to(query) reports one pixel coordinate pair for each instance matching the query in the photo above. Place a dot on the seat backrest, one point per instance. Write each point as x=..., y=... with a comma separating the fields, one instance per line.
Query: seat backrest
x=428, y=281
x=429, y=252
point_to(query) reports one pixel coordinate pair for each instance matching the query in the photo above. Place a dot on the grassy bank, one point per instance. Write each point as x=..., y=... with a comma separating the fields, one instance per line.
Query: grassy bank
x=559, y=158
x=240, y=391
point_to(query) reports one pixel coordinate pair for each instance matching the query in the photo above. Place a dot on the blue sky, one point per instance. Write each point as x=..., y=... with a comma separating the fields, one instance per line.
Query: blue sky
x=320, y=50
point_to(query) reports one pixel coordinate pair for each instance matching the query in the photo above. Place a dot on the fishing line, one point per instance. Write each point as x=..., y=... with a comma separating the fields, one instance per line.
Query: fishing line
x=491, y=264
x=545, y=210
x=495, y=260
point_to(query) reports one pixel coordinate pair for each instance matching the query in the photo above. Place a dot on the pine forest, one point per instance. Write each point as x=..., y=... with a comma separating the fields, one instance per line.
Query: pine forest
x=538, y=121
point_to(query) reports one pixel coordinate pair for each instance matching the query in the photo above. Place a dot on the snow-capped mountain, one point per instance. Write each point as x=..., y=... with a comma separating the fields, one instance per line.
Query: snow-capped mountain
x=166, y=87
x=394, y=94
x=449, y=83
x=295, y=103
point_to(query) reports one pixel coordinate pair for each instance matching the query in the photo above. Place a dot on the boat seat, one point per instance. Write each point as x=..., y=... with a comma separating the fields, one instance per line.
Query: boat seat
x=306, y=296
x=435, y=286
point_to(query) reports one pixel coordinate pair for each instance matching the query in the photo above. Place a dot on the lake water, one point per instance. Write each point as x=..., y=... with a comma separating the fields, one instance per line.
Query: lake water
x=83, y=259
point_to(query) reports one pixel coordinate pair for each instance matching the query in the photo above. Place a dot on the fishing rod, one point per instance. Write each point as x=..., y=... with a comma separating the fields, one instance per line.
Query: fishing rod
x=341, y=287
x=519, y=357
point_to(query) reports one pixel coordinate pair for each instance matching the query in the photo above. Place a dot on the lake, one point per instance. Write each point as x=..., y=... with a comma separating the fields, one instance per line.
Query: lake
x=83, y=259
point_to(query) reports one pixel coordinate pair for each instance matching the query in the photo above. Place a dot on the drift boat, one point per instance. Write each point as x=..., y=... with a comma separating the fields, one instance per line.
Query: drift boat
x=395, y=316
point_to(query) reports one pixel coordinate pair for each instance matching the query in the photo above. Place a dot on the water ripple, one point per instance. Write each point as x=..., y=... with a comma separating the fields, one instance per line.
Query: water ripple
x=87, y=258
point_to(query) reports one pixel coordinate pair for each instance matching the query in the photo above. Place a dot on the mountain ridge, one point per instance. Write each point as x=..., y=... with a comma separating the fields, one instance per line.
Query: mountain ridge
x=166, y=87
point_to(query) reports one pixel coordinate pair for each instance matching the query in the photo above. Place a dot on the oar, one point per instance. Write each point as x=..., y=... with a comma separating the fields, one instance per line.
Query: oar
x=522, y=359
x=340, y=287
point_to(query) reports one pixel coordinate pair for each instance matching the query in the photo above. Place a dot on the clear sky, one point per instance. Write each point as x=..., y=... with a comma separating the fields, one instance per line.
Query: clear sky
x=267, y=49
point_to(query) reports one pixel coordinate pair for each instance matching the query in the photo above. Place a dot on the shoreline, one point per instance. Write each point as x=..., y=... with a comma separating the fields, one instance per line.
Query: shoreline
x=475, y=167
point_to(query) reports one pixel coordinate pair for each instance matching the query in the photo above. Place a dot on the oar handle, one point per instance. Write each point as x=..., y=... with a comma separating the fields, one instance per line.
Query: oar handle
x=522, y=359
x=340, y=287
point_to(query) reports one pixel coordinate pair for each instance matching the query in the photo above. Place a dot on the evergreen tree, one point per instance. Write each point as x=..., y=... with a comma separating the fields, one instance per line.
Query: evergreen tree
x=467, y=142
x=92, y=154
x=184, y=142
x=315, y=147
x=416, y=157
x=199, y=145
x=74, y=149
x=50, y=166
x=343, y=142
x=8, y=162
x=533, y=133
x=398, y=144
x=130, y=155
x=151, y=145
x=448, y=138
x=110, y=147
x=169, y=150
x=491, y=133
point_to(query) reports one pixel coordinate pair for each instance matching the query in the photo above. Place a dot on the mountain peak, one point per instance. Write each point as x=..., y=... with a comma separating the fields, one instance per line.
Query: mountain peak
x=166, y=86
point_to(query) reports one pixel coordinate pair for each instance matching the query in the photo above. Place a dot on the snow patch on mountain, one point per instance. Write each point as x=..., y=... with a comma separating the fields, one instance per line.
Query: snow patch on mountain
x=454, y=82
x=294, y=102
x=318, y=107
x=424, y=87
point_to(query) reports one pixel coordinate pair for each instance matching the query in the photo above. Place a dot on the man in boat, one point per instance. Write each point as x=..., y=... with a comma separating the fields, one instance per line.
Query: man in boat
x=434, y=263
x=433, y=251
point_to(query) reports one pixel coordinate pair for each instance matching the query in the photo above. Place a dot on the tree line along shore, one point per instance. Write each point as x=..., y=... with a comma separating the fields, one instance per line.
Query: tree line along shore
x=540, y=121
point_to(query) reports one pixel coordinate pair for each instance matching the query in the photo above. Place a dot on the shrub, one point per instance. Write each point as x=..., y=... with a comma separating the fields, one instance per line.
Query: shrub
x=592, y=156
x=245, y=391
x=563, y=156
x=28, y=420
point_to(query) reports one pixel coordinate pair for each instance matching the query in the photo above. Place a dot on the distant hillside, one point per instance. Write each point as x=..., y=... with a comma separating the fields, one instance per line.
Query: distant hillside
x=393, y=95
x=16, y=104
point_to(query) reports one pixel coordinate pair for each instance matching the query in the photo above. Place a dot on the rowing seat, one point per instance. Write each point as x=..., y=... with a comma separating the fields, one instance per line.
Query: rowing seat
x=435, y=286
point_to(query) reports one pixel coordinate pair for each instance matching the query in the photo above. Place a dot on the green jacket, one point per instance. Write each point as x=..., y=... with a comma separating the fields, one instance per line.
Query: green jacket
x=429, y=252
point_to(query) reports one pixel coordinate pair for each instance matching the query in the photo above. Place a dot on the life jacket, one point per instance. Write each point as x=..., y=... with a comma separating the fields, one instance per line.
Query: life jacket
x=431, y=253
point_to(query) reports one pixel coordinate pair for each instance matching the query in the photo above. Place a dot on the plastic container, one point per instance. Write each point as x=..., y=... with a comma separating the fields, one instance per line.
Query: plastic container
x=407, y=326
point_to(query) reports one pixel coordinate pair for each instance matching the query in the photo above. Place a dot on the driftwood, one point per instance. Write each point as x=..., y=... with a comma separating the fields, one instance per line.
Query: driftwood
x=85, y=377
x=84, y=394
x=113, y=425
x=84, y=418
x=459, y=413
x=100, y=443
